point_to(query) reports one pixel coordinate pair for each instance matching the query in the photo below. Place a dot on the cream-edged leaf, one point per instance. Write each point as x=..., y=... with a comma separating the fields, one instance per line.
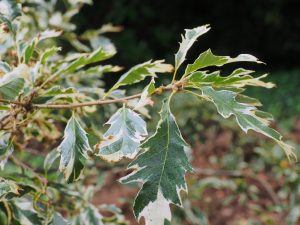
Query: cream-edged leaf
x=24, y=213
x=123, y=138
x=74, y=150
x=13, y=82
x=207, y=59
x=48, y=53
x=8, y=189
x=188, y=40
x=247, y=116
x=161, y=167
x=145, y=96
x=239, y=78
x=141, y=71
x=81, y=60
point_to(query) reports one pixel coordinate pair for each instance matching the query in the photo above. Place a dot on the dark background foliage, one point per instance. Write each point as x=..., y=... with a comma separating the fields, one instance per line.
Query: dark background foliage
x=268, y=29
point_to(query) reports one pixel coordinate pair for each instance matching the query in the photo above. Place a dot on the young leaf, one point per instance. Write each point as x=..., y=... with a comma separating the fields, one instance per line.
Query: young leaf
x=207, y=58
x=85, y=59
x=141, y=71
x=124, y=136
x=161, y=168
x=73, y=150
x=246, y=115
x=6, y=149
x=145, y=97
x=29, y=49
x=188, y=40
x=48, y=53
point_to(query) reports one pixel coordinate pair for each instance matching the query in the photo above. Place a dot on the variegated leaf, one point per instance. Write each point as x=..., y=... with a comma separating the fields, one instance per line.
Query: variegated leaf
x=188, y=40
x=247, y=115
x=99, y=54
x=73, y=150
x=24, y=213
x=141, y=71
x=8, y=189
x=145, y=96
x=124, y=136
x=207, y=59
x=30, y=48
x=161, y=167
x=238, y=78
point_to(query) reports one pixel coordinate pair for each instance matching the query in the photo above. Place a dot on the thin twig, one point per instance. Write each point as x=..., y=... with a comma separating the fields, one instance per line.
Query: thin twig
x=83, y=104
x=97, y=102
x=12, y=102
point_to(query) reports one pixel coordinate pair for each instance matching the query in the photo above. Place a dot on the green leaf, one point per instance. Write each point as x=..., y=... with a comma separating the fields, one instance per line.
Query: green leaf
x=85, y=59
x=6, y=149
x=141, y=71
x=73, y=150
x=8, y=189
x=207, y=58
x=161, y=168
x=246, y=116
x=59, y=220
x=11, y=88
x=188, y=40
x=124, y=136
x=238, y=78
x=29, y=49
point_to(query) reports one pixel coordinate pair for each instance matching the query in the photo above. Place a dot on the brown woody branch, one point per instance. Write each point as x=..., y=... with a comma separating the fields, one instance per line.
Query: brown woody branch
x=83, y=104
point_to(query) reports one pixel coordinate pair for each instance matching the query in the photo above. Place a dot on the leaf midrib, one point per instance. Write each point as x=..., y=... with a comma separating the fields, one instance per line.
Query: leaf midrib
x=166, y=151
